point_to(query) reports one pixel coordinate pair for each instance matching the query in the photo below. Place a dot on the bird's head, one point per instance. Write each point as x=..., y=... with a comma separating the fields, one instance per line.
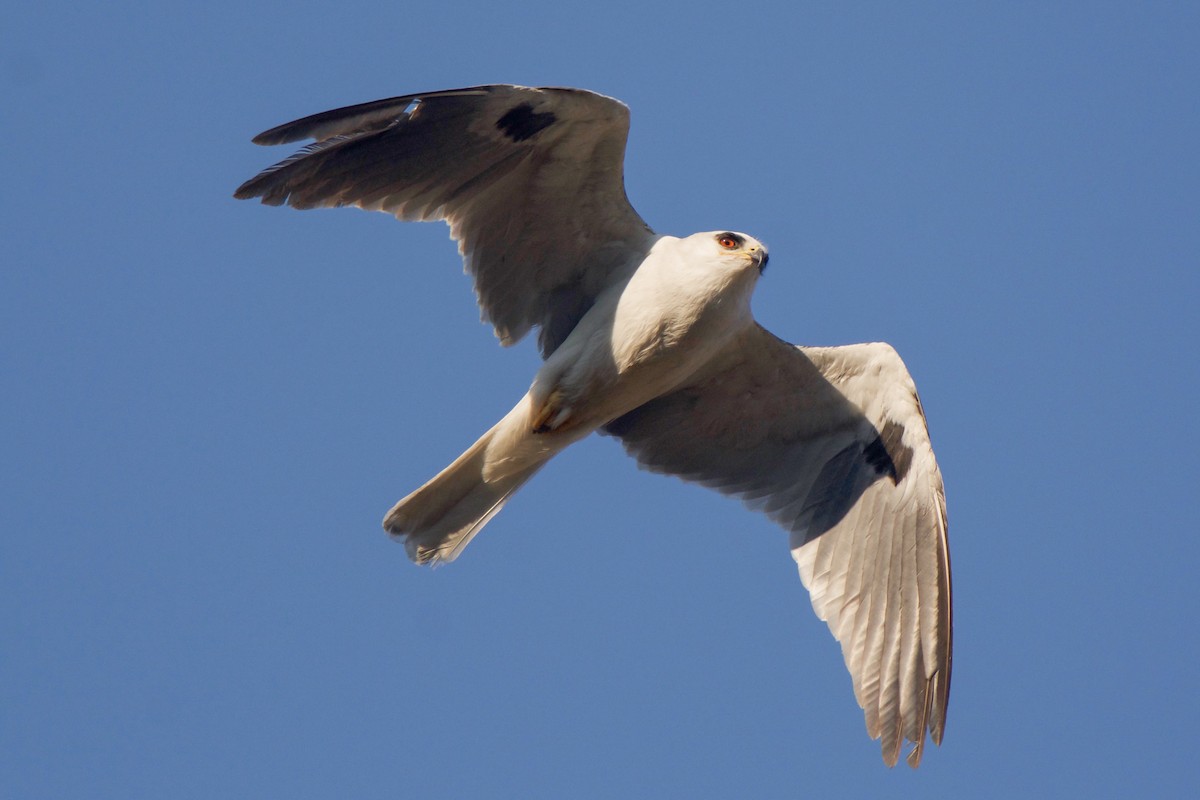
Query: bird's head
x=728, y=247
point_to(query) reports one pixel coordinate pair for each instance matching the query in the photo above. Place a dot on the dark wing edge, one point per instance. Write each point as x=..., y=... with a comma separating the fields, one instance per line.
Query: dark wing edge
x=531, y=182
x=359, y=118
x=832, y=444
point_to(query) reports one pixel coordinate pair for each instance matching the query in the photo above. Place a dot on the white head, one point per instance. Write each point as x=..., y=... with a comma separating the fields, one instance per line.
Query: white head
x=736, y=250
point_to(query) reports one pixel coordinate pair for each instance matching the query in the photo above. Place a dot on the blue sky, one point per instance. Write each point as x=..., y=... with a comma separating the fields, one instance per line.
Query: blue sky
x=208, y=405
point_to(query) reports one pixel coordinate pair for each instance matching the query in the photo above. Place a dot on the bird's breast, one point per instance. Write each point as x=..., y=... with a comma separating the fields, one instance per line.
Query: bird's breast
x=682, y=315
x=644, y=339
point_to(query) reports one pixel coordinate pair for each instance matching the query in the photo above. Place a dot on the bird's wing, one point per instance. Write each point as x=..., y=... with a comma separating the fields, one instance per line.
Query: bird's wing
x=530, y=180
x=831, y=443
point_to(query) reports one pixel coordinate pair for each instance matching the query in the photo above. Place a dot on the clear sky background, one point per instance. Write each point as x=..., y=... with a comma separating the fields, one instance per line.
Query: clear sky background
x=208, y=405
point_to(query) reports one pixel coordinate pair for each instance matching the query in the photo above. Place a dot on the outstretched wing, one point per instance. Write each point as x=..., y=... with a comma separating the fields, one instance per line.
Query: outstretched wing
x=831, y=443
x=530, y=180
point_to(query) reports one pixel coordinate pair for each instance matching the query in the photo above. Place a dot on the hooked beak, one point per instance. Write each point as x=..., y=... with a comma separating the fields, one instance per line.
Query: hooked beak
x=760, y=259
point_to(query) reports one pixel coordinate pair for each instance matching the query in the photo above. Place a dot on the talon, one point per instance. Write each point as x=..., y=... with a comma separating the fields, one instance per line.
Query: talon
x=552, y=414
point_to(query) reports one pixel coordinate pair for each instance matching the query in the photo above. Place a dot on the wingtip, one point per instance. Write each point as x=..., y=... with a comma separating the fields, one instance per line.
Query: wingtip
x=914, y=755
x=280, y=134
x=293, y=131
x=252, y=189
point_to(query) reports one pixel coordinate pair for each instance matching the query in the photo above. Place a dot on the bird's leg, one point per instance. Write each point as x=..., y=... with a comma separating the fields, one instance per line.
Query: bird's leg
x=552, y=414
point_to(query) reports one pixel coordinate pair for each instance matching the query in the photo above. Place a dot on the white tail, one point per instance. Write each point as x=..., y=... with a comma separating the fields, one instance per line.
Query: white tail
x=438, y=520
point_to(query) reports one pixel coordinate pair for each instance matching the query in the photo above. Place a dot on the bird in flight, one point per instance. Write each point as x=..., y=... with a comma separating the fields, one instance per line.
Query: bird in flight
x=650, y=339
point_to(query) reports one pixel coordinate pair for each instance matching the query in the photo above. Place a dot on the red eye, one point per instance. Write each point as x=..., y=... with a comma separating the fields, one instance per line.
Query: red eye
x=728, y=241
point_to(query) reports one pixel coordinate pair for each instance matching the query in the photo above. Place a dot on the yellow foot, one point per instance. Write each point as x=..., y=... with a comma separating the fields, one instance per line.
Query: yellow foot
x=552, y=414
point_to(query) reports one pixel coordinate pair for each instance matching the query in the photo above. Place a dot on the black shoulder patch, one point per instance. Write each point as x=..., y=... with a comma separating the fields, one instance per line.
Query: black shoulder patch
x=888, y=454
x=522, y=122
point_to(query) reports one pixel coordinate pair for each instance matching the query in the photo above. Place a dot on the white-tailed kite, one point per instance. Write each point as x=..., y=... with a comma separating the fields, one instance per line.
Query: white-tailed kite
x=650, y=338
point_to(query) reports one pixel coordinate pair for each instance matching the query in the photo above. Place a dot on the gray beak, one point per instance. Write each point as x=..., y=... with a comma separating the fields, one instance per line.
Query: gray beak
x=762, y=259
